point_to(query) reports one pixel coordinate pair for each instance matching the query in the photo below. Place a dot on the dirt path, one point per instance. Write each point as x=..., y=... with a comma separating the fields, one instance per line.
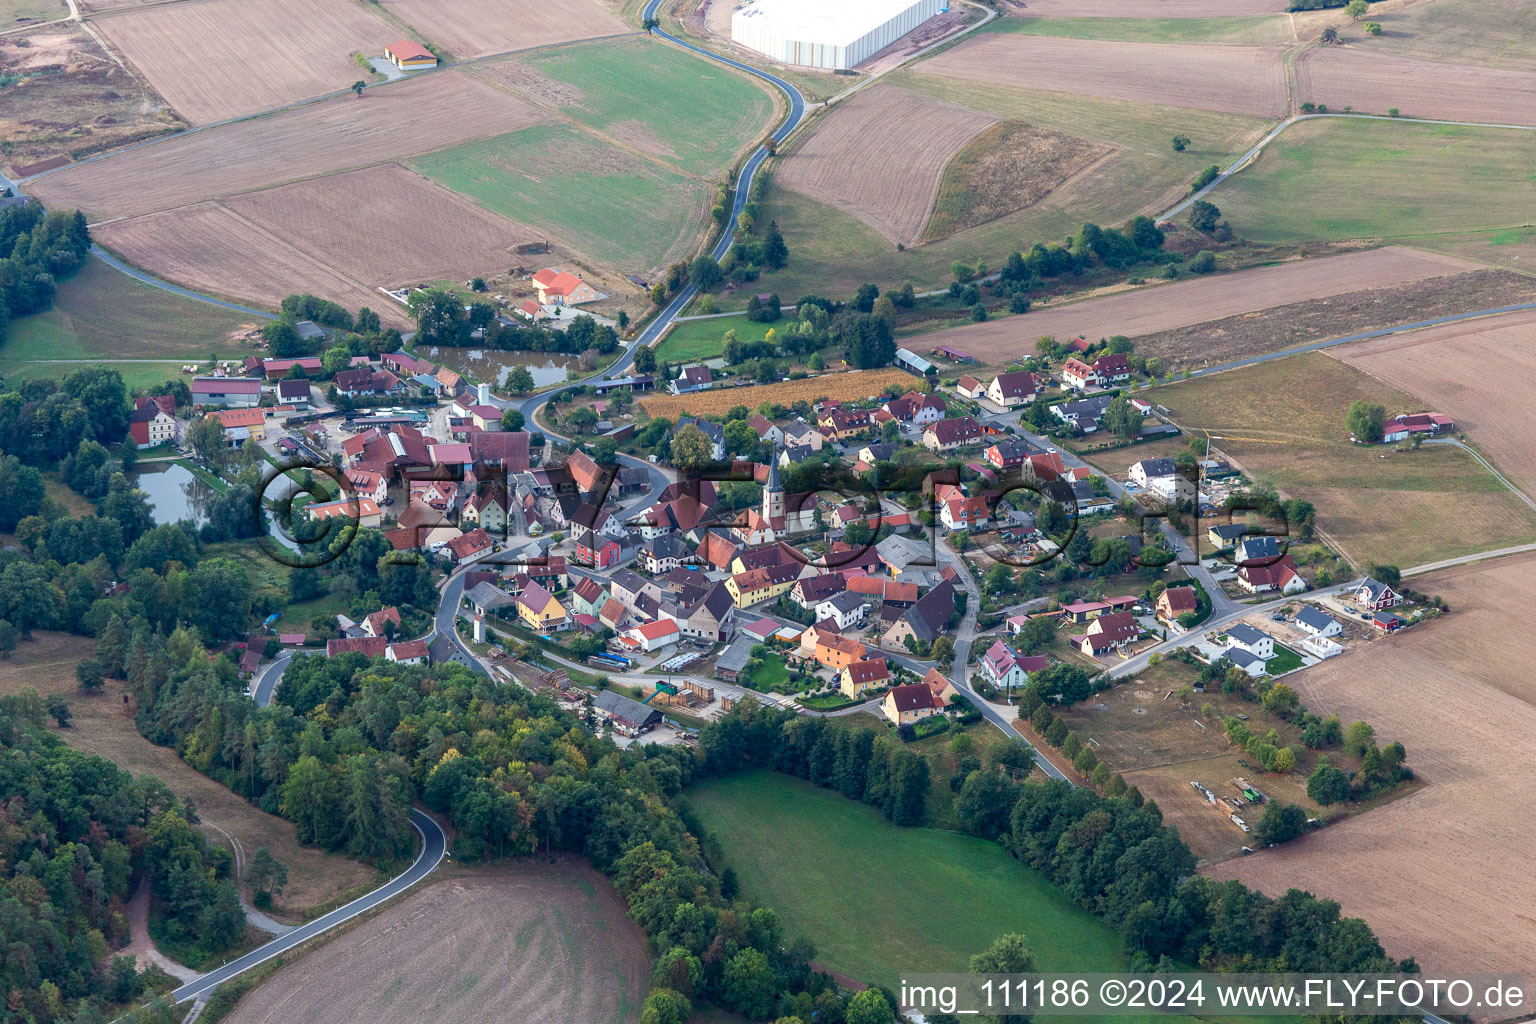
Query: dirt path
x=141, y=947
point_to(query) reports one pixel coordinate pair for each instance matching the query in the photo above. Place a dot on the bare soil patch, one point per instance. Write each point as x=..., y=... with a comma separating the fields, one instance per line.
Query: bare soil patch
x=845, y=161
x=1233, y=79
x=475, y=28
x=209, y=248
x=103, y=724
x=222, y=58
x=1298, y=323
x=1147, y=8
x=1007, y=167
x=847, y=386
x=1451, y=369
x=390, y=122
x=1375, y=83
x=71, y=99
x=386, y=225
x=534, y=82
x=516, y=942
x=1447, y=874
x=1165, y=307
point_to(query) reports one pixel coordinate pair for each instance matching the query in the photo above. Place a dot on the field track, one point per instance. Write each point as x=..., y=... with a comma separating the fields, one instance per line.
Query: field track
x=223, y=58
x=1448, y=874
x=1450, y=369
x=208, y=248
x=845, y=161
x=1164, y=307
x=1375, y=83
x=1232, y=79
x=474, y=28
x=389, y=123
x=385, y=225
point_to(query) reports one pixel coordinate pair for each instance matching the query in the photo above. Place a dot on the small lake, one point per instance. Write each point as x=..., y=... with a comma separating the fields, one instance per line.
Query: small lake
x=493, y=365
x=174, y=493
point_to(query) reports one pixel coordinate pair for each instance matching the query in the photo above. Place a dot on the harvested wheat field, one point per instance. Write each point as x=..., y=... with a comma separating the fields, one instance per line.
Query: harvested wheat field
x=848, y=159
x=1448, y=874
x=209, y=248
x=1167, y=306
x=103, y=725
x=223, y=58
x=475, y=28
x=515, y=942
x=1149, y=8
x=66, y=98
x=1452, y=370
x=353, y=222
x=848, y=386
x=1232, y=79
x=1007, y=167
x=393, y=121
x=1375, y=83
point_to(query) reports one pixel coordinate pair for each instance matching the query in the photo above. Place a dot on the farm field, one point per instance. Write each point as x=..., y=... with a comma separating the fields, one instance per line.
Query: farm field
x=1153, y=8
x=223, y=58
x=1374, y=504
x=483, y=945
x=848, y=386
x=103, y=725
x=1299, y=323
x=832, y=252
x=1444, y=874
x=15, y=13
x=1457, y=32
x=1447, y=368
x=61, y=68
x=211, y=249
x=937, y=898
x=1255, y=29
x=605, y=202
x=475, y=28
x=1231, y=79
x=1164, y=307
x=393, y=122
x=701, y=339
x=1402, y=180
x=648, y=96
x=447, y=236
x=843, y=161
x=1376, y=83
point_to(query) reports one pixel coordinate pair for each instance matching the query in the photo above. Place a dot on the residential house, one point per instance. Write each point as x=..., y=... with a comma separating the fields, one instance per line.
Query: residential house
x=1429, y=424
x=859, y=676
x=712, y=617
x=804, y=436
x=840, y=424
x=487, y=509
x=766, y=429
x=765, y=584
x=411, y=652
x=846, y=609
x=368, y=646
x=294, y=393
x=1225, y=535
x=1279, y=575
x=1176, y=601
x=939, y=685
x=1108, y=633
x=652, y=636
x=588, y=597
x=917, y=408
x=1113, y=369
x=469, y=545
x=1316, y=622
x=1007, y=669
x=693, y=378
x=1373, y=595
x=964, y=513
x=378, y=623
x=363, y=383
x=926, y=620
x=830, y=648
x=628, y=587
x=946, y=435
x=1085, y=413
x=152, y=421
x=1079, y=376
x=562, y=288
x=1013, y=389
x=663, y=554
x=713, y=431
x=1161, y=477
x=1255, y=641
x=910, y=703
x=363, y=510
x=540, y=609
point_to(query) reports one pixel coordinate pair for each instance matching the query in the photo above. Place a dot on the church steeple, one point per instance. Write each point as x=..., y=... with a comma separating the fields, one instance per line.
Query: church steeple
x=773, y=491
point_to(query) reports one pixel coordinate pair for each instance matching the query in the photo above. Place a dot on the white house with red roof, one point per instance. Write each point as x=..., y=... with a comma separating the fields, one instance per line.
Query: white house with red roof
x=152, y=422
x=652, y=636
x=562, y=288
x=411, y=652
x=1005, y=667
x=1108, y=633
x=367, y=484
x=959, y=512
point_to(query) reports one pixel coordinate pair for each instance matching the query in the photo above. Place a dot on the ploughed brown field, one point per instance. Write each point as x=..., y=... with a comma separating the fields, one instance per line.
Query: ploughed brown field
x=847, y=160
x=392, y=121
x=223, y=58
x=1233, y=79
x=103, y=724
x=209, y=248
x=474, y=28
x=1447, y=874
x=1167, y=306
x=515, y=942
x=385, y=225
x=1374, y=83
x=1477, y=372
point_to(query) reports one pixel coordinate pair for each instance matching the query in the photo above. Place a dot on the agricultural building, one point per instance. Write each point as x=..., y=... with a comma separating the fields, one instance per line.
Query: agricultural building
x=409, y=56
x=828, y=35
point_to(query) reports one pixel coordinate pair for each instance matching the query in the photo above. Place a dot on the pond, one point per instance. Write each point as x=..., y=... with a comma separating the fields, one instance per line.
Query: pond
x=493, y=366
x=174, y=493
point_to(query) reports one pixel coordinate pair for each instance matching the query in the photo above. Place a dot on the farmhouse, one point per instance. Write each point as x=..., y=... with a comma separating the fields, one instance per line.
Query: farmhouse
x=151, y=422
x=562, y=288
x=409, y=56
x=1317, y=622
x=822, y=35
x=1431, y=424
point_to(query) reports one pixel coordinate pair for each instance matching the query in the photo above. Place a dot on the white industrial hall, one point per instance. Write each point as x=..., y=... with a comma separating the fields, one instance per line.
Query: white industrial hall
x=836, y=34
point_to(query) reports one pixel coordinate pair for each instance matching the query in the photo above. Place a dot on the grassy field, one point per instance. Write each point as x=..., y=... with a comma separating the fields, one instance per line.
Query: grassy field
x=878, y=900
x=701, y=339
x=1358, y=178
x=607, y=203
x=1253, y=30
x=831, y=252
x=1376, y=504
x=1458, y=32
x=13, y=12
x=660, y=99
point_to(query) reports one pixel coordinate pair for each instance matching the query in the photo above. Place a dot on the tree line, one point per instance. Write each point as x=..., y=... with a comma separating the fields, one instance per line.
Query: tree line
x=37, y=249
